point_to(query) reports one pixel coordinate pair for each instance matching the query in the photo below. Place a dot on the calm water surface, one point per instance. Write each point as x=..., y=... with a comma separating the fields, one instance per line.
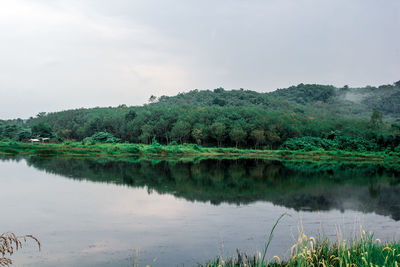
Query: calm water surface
x=103, y=213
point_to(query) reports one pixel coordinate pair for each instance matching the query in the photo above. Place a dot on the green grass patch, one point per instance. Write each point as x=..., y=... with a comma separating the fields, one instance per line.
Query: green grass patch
x=365, y=251
x=156, y=150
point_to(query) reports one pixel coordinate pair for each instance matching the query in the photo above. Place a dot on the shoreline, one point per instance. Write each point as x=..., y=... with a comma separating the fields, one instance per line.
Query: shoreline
x=188, y=152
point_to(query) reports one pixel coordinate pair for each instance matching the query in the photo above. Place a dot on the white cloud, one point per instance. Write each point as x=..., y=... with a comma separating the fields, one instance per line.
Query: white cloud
x=57, y=58
x=63, y=54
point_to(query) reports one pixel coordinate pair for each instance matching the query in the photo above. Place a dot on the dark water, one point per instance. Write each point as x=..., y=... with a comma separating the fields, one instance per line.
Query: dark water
x=106, y=213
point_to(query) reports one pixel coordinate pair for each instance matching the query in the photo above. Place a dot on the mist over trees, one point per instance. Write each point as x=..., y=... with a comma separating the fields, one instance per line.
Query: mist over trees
x=239, y=118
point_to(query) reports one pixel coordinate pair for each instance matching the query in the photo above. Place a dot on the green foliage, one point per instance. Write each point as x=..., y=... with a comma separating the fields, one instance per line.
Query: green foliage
x=376, y=118
x=134, y=149
x=238, y=135
x=181, y=131
x=364, y=251
x=24, y=134
x=173, y=143
x=198, y=135
x=258, y=136
x=309, y=143
x=42, y=130
x=105, y=137
x=306, y=93
x=88, y=141
x=228, y=118
x=218, y=132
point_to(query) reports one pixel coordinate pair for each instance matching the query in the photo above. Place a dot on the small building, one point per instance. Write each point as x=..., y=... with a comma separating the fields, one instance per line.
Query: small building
x=34, y=140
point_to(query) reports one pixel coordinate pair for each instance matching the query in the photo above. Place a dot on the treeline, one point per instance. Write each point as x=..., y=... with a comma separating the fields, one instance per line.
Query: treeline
x=238, y=118
x=312, y=99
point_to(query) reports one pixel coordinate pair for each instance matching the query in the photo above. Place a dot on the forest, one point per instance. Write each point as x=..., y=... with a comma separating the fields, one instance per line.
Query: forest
x=304, y=117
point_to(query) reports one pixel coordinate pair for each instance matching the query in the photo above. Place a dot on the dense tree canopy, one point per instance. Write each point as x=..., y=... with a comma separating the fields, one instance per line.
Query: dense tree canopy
x=239, y=118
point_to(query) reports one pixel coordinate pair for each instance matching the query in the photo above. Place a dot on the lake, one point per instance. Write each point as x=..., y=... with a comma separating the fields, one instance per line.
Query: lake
x=100, y=212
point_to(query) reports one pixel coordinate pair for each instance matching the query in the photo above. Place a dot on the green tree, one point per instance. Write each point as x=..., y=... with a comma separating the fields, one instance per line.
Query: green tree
x=238, y=135
x=24, y=134
x=10, y=131
x=258, y=137
x=180, y=130
x=146, y=133
x=41, y=114
x=272, y=136
x=198, y=135
x=376, y=119
x=152, y=99
x=130, y=116
x=218, y=132
x=42, y=130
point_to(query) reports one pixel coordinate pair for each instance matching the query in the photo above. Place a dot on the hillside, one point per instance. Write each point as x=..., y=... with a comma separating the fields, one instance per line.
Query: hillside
x=303, y=97
x=240, y=118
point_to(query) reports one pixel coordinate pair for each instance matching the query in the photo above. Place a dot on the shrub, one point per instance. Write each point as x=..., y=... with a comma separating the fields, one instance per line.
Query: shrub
x=88, y=141
x=197, y=148
x=155, y=143
x=105, y=137
x=134, y=149
x=155, y=149
x=309, y=143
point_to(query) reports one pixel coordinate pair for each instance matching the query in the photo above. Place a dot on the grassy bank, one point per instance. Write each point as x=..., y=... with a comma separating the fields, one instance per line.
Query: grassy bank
x=185, y=151
x=362, y=251
x=366, y=251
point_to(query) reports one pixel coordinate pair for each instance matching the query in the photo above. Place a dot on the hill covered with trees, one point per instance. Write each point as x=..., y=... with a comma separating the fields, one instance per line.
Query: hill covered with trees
x=303, y=117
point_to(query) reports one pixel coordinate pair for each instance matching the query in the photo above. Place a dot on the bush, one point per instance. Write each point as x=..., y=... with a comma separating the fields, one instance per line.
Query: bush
x=105, y=137
x=134, y=149
x=155, y=149
x=355, y=144
x=155, y=143
x=88, y=141
x=309, y=143
x=197, y=148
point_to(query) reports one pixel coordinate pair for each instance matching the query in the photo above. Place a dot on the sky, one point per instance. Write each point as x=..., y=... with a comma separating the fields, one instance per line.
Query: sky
x=64, y=54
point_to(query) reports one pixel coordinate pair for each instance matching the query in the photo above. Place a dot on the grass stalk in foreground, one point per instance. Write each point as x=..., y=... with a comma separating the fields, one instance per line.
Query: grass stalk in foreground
x=308, y=251
x=9, y=243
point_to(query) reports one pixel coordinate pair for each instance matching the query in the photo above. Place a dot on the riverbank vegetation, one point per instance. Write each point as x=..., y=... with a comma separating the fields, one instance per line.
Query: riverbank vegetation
x=174, y=150
x=365, y=251
x=303, y=117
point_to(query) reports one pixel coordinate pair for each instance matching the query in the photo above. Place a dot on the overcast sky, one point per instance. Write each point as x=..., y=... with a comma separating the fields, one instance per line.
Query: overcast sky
x=57, y=55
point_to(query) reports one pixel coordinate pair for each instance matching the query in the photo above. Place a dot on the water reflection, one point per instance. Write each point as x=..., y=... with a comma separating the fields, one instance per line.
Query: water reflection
x=301, y=186
x=97, y=212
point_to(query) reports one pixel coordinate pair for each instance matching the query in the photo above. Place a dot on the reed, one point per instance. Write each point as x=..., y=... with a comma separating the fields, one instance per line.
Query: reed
x=365, y=251
x=10, y=243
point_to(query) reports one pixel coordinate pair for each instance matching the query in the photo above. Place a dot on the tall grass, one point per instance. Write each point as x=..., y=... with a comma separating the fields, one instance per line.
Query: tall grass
x=364, y=251
x=9, y=243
